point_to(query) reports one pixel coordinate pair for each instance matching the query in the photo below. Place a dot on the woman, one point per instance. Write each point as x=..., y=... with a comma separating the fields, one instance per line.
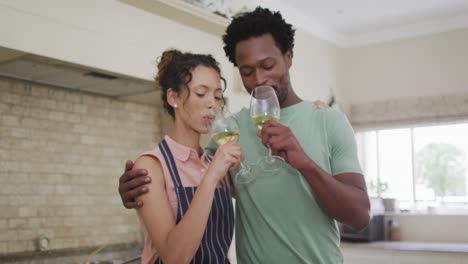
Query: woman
x=188, y=215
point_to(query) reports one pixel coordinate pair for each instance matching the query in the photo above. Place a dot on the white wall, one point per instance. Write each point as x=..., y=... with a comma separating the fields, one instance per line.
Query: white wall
x=315, y=67
x=430, y=65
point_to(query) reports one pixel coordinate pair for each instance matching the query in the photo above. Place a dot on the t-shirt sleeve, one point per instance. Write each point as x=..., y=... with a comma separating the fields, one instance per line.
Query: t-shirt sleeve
x=343, y=147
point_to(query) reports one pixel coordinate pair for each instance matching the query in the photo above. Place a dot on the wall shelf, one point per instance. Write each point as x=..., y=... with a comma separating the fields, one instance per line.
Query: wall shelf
x=183, y=13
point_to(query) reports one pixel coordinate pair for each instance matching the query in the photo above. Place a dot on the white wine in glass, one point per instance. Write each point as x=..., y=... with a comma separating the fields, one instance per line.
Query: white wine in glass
x=224, y=129
x=224, y=137
x=264, y=106
x=259, y=121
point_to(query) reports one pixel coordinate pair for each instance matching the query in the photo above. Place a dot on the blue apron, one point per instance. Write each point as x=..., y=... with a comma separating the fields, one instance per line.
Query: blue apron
x=218, y=233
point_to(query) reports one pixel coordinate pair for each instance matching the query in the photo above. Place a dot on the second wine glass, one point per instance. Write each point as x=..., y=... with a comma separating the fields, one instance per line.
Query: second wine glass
x=264, y=106
x=224, y=129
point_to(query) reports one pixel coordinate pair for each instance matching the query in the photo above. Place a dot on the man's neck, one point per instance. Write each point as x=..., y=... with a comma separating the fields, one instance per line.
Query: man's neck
x=292, y=99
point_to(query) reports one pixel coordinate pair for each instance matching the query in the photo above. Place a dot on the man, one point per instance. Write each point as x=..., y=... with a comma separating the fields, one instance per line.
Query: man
x=286, y=216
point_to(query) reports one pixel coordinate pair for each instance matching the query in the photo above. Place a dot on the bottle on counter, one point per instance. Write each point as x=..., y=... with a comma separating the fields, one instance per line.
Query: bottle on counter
x=394, y=231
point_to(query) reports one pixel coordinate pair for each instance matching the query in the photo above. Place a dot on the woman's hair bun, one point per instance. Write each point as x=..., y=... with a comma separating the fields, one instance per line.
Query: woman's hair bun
x=164, y=61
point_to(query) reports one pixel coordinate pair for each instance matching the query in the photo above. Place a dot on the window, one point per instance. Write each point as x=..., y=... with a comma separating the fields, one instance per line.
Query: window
x=420, y=166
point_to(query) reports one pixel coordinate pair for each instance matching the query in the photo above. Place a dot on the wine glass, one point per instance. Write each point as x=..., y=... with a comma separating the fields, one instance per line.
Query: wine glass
x=264, y=106
x=224, y=129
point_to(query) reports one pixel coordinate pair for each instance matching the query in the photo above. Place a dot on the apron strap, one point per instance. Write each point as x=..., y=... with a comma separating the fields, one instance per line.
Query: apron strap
x=170, y=163
x=182, y=198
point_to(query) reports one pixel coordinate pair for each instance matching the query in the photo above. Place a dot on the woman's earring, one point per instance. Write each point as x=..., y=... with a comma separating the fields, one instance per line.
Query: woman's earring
x=175, y=105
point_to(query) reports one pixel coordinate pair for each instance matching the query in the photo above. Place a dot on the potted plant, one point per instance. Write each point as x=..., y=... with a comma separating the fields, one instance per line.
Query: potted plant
x=379, y=187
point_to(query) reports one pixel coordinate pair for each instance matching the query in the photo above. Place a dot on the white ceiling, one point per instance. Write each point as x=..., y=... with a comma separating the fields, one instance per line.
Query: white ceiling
x=358, y=22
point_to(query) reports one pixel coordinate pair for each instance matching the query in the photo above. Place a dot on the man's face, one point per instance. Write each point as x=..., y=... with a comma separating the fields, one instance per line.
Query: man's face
x=261, y=62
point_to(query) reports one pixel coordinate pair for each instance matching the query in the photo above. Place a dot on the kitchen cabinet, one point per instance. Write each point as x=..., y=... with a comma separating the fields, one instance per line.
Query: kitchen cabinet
x=184, y=13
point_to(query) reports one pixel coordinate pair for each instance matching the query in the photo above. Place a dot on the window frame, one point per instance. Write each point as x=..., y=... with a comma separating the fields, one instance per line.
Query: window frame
x=415, y=204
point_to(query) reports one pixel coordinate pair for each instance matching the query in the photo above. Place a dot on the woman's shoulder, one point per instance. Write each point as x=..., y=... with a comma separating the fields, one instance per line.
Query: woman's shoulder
x=155, y=152
x=147, y=162
x=149, y=159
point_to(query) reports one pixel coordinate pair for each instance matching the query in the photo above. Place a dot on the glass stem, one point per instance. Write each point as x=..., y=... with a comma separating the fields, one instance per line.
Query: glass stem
x=243, y=166
x=244, y=172
x=269, y=157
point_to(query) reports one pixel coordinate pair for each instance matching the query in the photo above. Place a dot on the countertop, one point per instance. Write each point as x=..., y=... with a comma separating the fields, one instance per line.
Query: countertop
x=409, y=246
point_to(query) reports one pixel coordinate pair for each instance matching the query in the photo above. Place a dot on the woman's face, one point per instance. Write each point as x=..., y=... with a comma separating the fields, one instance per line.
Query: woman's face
x=197, y=109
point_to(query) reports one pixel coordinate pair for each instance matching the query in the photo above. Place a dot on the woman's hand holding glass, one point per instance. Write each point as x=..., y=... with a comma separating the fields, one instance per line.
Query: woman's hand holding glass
x=227, y=157
x=224, y=130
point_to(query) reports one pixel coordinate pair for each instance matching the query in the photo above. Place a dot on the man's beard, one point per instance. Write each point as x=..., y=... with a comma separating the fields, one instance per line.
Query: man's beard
x=282, y=94
x=282, y=90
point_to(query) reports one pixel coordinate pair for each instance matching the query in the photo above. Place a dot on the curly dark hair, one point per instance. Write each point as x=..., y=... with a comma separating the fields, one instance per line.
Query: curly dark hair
x=254, y=24
x=175, y=71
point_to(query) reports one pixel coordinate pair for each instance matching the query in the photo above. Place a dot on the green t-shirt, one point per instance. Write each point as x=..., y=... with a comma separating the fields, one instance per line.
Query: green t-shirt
x=278, y=219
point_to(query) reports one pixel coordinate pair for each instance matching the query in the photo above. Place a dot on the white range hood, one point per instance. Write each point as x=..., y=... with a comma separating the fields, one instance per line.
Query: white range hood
x=71, y=76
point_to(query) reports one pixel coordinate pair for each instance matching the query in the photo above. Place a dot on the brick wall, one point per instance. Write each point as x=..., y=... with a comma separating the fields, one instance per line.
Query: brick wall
x=61, y=153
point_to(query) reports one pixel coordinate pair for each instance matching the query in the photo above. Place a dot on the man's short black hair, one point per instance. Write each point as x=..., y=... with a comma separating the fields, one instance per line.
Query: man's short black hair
x=255, y=24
